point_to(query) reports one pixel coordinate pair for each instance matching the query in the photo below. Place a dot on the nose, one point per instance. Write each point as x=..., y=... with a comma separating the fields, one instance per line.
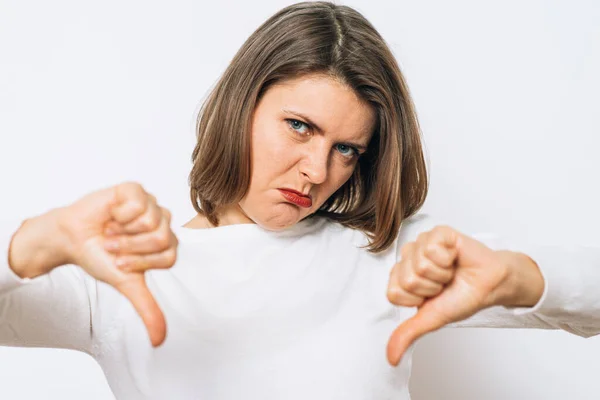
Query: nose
x=315, y=163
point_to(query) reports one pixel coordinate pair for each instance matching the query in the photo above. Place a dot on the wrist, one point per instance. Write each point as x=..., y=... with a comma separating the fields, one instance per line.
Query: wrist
x=524, y=283
x=39, y=245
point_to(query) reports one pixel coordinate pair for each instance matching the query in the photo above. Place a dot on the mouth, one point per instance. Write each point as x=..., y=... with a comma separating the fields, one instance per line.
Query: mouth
x=296, y=198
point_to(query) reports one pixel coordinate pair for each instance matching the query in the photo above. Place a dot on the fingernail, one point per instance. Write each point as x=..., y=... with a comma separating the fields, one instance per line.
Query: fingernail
x=111, y=245
x=109, y=232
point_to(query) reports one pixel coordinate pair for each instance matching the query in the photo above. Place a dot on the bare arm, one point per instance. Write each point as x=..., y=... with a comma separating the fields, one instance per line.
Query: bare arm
x=570, y=300
x=39, y=245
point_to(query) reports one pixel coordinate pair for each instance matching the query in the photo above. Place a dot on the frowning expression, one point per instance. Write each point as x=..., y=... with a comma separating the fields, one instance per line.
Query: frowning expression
x=307, y=135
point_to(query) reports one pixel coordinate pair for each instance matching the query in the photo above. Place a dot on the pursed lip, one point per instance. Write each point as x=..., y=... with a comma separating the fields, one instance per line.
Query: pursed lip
x=295, y=197
x=296, y=192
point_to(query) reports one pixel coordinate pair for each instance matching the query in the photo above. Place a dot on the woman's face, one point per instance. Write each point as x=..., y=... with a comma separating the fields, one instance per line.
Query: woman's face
x=307, y=135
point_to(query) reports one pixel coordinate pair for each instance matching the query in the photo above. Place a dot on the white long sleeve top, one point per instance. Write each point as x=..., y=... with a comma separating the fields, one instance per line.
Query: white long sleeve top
x=254, y=314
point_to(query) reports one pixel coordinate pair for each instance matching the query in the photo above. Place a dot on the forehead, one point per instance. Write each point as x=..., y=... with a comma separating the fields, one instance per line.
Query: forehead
x=329, y=103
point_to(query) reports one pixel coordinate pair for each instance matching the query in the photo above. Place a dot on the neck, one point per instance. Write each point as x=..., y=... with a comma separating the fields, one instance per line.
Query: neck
x=228, y=215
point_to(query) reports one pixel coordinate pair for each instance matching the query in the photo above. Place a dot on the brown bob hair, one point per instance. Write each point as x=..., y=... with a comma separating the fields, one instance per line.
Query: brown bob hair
x=390, y=182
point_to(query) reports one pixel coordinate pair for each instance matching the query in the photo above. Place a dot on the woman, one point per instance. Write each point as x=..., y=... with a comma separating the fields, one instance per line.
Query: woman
x=307, y=176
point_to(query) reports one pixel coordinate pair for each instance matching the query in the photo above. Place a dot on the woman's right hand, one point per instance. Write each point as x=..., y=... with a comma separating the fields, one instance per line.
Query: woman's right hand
x=115, y=235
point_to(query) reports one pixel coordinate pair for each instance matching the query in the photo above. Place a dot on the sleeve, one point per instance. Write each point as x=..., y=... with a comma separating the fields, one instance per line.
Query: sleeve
x=570, y=301
x=53, y=310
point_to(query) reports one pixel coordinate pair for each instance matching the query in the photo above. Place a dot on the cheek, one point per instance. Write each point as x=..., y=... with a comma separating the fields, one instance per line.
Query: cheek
x=337, y=178
x=272, y=152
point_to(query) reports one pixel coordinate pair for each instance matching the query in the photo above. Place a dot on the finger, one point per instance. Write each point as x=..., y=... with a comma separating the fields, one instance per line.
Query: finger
x=136, y=290
x=142, y=243
x=131, y=202
x=163, y=260
x=113, y=228
x=428, y=270
x=396, y=294
x=443, y=235
x=148, y=221
x=417, y=286
x=400, y=297
x=407, y=251
x=142, y=224
x=440, y=255
x=409, y=331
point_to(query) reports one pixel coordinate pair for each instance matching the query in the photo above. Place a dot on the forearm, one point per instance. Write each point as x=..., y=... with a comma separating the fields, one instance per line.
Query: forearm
x=524, y=285
x=39, y=245
x=570, y=299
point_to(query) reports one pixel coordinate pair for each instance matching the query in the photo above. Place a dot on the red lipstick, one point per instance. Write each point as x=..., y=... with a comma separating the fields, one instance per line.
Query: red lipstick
x=296, y=198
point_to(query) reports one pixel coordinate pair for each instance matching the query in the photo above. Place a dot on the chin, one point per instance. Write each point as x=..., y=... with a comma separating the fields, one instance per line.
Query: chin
x=280, y=221
x=277, y=226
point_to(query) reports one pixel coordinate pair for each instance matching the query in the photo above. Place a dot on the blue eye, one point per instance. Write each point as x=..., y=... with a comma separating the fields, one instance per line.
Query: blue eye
x=302, y=129
x=346, y=151
x=297, y=125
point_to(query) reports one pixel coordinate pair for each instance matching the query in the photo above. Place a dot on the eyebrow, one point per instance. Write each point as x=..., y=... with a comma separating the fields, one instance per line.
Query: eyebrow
x=320, y=130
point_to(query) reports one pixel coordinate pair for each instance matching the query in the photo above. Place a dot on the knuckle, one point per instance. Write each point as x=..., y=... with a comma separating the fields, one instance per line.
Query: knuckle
x=411, y=283
x=161, y=240
x=126, y=185
x=138, y=187
x=430, y=250
x=131, y=186
x=147, y=223
x=422, y=268
x=137, y=191
x=137, y=207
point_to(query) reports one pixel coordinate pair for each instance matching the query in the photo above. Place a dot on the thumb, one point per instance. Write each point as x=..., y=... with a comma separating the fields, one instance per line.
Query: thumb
x=423, y=322
x=137, y=292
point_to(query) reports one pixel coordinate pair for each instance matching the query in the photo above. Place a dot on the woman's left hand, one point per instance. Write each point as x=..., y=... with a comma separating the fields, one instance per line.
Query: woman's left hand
x=450, y=277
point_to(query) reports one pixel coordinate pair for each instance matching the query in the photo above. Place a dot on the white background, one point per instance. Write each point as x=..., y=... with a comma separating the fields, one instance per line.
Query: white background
x=95, y=93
